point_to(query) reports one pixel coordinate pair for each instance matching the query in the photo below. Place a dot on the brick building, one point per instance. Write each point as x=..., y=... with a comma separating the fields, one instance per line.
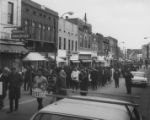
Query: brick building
x=41, y=23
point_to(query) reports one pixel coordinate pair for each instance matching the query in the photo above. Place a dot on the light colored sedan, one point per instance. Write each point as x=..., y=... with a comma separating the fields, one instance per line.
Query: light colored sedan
x=89, y=108
x=139, y=79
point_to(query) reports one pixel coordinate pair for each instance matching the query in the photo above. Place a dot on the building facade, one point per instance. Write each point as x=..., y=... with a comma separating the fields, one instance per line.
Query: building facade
x=94, y=46
x=113, y=47
x=105, y=46
x=145, y=51
x=11, y=50
x=100, y=39
x=67, y=41
x=41, y=23
x=84, y=41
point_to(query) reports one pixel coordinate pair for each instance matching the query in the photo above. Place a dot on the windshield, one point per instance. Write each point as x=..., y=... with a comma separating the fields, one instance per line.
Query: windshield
x=48, y=116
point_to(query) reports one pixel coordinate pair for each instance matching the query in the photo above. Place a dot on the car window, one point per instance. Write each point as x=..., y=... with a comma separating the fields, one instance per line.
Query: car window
x=46, y=116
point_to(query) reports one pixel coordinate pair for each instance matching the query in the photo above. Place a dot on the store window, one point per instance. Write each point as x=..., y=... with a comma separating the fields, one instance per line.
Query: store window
x=59, y=44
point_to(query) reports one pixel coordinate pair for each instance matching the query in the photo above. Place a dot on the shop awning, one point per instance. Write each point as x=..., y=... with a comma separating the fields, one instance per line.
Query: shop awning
x=6, y=48
x=86, y=61
x=34, y=56
x=75, y=61
x=58, y=59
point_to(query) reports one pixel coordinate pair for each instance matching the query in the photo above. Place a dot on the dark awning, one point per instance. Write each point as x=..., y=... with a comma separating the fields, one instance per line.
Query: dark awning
x=86, y=61
x=75, y=61
x=6, y=48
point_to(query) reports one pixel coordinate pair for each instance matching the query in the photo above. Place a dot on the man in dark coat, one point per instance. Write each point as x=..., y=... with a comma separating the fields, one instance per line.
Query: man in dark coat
x=100, y=76
x=83, y=78
x=61, y=83
x=128, y=77
x=14, y=87
x=94, y=78
x=4, y=82
x=116, y=77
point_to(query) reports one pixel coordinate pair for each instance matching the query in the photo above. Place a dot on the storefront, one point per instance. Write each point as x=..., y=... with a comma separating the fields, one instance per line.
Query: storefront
x=11, y=55
x=74, y=60
x=86, y=59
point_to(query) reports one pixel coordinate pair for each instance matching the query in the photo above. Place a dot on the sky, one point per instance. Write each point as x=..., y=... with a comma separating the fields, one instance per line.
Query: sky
x=126, y=20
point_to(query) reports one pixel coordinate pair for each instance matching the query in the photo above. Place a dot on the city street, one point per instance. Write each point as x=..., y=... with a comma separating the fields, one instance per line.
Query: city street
x=28, y=104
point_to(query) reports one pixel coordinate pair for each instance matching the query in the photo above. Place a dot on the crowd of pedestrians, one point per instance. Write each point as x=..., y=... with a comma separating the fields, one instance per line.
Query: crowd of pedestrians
x=60, y=79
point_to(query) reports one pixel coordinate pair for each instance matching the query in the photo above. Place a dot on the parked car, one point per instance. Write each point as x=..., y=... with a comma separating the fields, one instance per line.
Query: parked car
x=89, y=108
x=139, y=79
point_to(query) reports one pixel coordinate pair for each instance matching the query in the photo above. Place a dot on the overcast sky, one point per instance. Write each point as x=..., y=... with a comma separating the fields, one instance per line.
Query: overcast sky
x=125, y=20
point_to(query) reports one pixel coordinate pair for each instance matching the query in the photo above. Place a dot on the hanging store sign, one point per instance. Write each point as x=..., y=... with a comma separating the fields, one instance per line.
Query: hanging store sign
x=19, y=34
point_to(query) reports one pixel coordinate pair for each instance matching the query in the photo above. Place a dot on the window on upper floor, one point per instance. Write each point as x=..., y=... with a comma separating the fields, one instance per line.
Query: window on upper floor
x=49, y=18
x=76, y=47
x=34, y=12
x=59, y=44
x=10, y=12
x=72, y=45
x=44, y=16
x=49, y=28
x=64, y=43
x=68, y=44
x=27, y=10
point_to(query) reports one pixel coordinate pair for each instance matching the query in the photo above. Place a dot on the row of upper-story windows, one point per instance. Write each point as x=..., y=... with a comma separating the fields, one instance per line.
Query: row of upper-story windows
x=37, y=25
x=85, y=42
x=69, y=33
x=65, y=44
x=38, y=31
x=39, y=14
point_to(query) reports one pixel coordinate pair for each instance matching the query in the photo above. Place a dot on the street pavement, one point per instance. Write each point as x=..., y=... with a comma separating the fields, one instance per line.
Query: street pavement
x=28, y=104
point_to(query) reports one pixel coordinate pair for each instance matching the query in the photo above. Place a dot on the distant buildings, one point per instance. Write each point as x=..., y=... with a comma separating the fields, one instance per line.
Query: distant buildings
x=26, y=26
x=134, y=54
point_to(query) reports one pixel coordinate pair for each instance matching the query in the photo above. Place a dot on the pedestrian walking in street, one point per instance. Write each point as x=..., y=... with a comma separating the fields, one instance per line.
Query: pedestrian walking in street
x=3, y=83
x=94, y=78
x=83, y=77
x=128, y=76
x=75, y=78
x=27, y=79
x=40, y=82
x=14, y=87
x=61, y=83
x=116, y=76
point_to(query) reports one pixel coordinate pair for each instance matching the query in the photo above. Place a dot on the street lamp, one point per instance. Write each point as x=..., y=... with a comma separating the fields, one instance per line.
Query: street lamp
x=69, y=13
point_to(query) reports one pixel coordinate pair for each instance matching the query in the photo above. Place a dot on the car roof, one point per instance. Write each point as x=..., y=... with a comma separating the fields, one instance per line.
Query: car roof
x=89, y=109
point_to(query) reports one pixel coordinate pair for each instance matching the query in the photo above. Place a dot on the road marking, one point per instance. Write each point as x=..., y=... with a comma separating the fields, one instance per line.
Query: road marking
x=23, y=102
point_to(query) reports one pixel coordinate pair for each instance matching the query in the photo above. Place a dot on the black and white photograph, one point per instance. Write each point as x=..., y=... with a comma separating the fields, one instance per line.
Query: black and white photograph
x=74, y=59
